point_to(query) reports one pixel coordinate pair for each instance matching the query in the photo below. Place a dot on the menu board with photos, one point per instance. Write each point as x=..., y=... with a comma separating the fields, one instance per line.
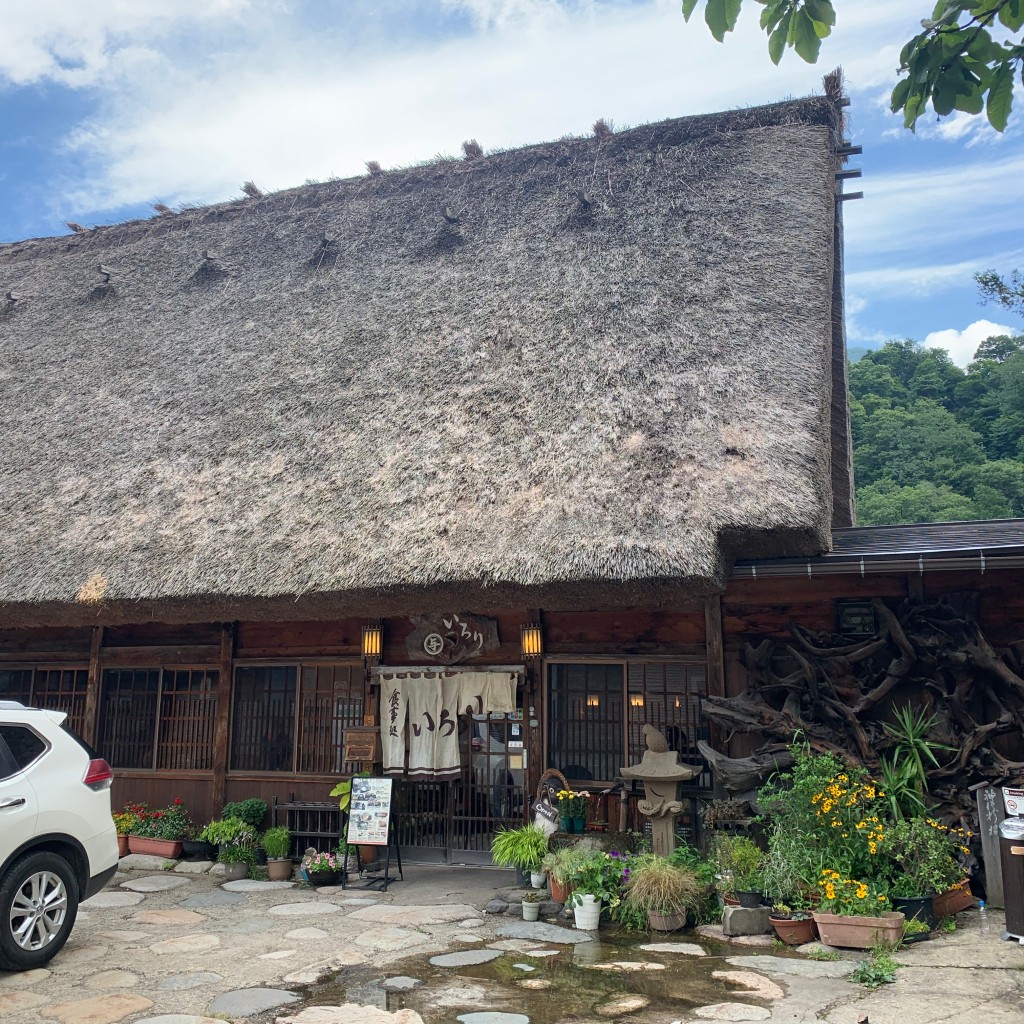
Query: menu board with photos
x=369, y=811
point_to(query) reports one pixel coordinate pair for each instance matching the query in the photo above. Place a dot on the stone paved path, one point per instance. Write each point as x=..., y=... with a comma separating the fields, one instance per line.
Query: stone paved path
x=144, y=952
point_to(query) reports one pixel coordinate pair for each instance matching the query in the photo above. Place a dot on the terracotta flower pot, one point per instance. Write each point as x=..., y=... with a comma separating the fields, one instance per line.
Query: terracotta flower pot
x=855, y=932
x=958, y=898
x=169, y=849
x=559, y=890
x=794, y=932
x=666, y=922
x=279, y=869
x=122, y=846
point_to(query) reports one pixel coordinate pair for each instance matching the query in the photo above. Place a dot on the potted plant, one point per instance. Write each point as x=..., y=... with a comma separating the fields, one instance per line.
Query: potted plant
x=236, y=843
x=343, y=791
x=251, y=810
x=737, y=862
x=572, y=810
x=855, y=913
x=322, y=867
x=559, y=865
x=925, y=866
x=661, y=894
x=793, y=925
x=531, y=906
x=523, y=847
x=277, y=843
x=597, y=883
x=195, y=848
x=159, y=832
x=125, y=822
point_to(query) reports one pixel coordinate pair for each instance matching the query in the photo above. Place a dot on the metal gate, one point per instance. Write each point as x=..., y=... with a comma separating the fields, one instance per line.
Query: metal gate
x=452, y=822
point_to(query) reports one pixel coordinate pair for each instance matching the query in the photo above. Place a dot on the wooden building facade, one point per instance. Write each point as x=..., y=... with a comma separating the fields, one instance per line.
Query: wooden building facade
x=563, y=401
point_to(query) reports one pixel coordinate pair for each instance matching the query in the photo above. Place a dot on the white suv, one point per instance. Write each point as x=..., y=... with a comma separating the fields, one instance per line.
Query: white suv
x=58, y=845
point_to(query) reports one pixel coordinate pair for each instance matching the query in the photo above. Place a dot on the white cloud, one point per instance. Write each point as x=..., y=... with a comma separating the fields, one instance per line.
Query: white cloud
x=78, y=43
x=961, y=345
x=895, y=281
x=953, y=203
x=296, y=100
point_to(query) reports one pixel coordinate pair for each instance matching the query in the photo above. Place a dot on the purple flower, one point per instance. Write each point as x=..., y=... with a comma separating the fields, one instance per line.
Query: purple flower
x=615, y=854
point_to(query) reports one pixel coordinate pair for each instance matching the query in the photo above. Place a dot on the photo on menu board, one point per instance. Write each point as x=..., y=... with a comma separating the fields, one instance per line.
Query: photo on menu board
x=369, y=812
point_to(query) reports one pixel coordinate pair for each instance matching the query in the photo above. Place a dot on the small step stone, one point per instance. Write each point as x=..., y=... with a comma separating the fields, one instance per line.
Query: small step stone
x=247, y=1002
x=154, y=883
x=185, y=982
x=496, y=907
x=193, y=867
x=400, y=983
x=465, y=958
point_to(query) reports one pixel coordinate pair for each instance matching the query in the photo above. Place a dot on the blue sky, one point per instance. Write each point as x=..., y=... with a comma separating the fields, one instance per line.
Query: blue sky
x=107, y=108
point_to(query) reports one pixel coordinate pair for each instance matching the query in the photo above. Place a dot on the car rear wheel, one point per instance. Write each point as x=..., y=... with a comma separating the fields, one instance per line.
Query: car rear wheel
x=38, y=907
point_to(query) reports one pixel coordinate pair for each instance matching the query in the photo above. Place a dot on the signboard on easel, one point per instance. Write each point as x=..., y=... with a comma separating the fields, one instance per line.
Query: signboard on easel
x=369, y=812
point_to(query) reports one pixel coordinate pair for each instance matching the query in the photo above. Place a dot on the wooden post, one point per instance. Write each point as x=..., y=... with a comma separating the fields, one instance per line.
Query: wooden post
x=715, y=645
x=990, y=813
x=915, y=586
x=220, y=730
x=533, y=736
x=92, y=690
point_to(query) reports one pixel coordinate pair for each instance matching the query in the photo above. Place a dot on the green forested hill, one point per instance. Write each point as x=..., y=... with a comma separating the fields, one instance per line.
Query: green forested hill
x=934, y=443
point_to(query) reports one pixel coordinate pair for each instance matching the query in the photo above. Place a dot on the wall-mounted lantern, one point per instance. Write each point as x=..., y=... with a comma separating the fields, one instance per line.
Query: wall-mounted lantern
x=531, y=639
x=373, y=641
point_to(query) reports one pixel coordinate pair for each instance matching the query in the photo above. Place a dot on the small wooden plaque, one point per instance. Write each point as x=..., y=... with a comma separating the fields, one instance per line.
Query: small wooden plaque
x=362, y=743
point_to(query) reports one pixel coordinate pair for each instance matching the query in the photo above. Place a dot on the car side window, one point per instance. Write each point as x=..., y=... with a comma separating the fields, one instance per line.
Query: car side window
x=7, y=765
x=24, y=745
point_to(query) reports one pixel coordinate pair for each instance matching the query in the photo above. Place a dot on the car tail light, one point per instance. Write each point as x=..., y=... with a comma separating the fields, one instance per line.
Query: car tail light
x=98, y=775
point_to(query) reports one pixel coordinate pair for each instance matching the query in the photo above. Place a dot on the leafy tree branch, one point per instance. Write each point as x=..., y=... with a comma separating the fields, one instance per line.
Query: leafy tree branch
x=953, y=64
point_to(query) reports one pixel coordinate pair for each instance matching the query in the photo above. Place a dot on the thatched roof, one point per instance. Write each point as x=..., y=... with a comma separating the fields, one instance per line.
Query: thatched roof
x=588, y=372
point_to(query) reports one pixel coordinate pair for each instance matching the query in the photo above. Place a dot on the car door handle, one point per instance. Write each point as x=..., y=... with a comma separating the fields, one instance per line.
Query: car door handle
x=14, y=801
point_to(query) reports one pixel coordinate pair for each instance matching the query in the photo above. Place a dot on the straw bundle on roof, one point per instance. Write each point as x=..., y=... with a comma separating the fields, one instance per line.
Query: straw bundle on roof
x=590, y=372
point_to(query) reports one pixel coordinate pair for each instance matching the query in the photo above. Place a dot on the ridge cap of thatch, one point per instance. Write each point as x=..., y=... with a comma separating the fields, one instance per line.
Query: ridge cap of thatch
x=815, y=110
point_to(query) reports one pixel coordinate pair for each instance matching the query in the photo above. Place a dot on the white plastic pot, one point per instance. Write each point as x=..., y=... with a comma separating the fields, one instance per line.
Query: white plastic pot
x=587, y=913
x=531, y=911
x=537, y=879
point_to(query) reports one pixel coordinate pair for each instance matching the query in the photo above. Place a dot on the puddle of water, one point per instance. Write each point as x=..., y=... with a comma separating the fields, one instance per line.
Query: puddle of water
x=576, y=988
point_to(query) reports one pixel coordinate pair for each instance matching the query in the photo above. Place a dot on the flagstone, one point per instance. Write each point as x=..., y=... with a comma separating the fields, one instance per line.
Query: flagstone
x=303, y=909
x=390, y=938
x=112, y=979
x=184, y=982
x=255, y=885
x=193, y=867
x=125, y=936
x=107, y=899
x=756, y=984
x=414, y=916
x=105, y=1009
x=623, y=1004
x=247, y=1002
x=306, y=933
x=187, y=944
x=352, y=1013
x=278, y=954
x=15, y=1002
x=168, y=917
x=24, y=979
x=733, y=1012
x=465, y=958
x=682, y=948
x=72, y=956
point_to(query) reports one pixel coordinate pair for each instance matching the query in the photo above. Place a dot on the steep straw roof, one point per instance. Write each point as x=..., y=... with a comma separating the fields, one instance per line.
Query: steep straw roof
x=590, y=372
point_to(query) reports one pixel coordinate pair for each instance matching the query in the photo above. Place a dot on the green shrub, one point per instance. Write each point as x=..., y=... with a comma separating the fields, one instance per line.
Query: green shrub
x=519, y=847
x=251, y=811
x=277, y=842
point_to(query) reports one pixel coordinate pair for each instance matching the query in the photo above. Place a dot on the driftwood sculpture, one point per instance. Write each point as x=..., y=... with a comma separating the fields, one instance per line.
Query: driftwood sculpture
x=836, y=695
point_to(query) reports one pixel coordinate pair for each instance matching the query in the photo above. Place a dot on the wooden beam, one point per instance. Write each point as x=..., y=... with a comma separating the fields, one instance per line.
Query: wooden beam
x=92, y=691
x=198, y=654
x=715, y=647
x=220, y=730
x=915, y=585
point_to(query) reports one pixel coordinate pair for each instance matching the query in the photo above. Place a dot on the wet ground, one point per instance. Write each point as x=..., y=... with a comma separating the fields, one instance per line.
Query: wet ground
x=561, y=983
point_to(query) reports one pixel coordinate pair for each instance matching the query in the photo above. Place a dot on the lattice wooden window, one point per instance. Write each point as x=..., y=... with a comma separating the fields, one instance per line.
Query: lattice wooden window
x=585, y=720
x=16, y=684
x=668, y=697
x=331, y=698
x=56, y=689
x=188, y=714
x=263, y=718
x=128, y=717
